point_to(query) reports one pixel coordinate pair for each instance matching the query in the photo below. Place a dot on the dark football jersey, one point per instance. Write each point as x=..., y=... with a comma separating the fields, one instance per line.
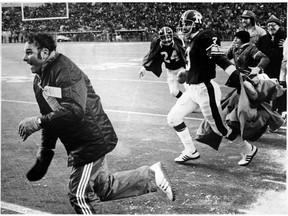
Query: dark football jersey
x=171, y=58
x=200, y=62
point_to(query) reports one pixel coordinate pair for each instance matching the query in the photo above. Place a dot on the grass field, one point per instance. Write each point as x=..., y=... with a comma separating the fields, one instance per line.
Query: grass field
x=214, y=184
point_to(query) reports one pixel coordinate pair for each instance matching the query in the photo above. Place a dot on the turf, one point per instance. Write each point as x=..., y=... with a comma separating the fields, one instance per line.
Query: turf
x=213, y=184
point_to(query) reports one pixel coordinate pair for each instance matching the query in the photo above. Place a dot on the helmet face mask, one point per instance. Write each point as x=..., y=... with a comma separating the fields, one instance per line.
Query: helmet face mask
x=190, y=22
x=166, y=36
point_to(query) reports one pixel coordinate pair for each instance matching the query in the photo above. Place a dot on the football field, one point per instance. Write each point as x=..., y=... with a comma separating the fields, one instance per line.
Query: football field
x=137, y=108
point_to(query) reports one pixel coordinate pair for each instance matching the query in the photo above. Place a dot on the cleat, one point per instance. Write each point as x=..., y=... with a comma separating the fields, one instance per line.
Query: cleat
x=247, y=158
x=162, y=181
x=184, y=157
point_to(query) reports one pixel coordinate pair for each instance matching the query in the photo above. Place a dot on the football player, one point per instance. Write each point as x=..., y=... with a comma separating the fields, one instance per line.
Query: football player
x=202, y=55
x=167, y=48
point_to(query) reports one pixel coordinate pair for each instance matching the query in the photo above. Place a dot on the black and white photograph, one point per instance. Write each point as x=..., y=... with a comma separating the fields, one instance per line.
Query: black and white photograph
x=122, y=107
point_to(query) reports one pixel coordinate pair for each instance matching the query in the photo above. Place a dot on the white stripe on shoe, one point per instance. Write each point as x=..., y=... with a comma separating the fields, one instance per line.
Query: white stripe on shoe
x=80, y=194
x=184, y=157
x=246, y=159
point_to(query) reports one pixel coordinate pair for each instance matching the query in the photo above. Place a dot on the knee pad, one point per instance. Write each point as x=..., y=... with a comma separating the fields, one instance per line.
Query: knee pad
x=173, y=120
x=169, y=119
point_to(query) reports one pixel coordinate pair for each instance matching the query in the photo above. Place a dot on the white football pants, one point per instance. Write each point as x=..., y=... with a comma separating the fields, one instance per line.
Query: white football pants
x=206, y=96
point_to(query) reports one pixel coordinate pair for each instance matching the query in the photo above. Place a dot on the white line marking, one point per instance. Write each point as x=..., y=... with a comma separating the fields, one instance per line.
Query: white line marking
x=108, y=110
x=20, y=209
x=30, y=79
x=277, y=182
x=128, y=80
x=15, y=101
x=248, y=212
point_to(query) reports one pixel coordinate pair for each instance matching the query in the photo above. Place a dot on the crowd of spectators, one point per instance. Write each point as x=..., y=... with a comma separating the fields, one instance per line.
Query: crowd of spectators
x=224, y=18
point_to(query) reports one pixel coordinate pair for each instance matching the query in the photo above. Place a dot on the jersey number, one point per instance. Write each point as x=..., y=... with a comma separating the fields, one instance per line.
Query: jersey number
x=174, y=56
x=188, y=61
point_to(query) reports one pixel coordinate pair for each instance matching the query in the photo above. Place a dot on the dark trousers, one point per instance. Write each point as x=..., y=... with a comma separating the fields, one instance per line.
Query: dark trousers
x=91, y=184
x=280, y=103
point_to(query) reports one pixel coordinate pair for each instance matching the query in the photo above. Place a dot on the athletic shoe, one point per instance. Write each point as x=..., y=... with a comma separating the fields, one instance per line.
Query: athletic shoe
x=247, y=158
x=162, y=181
x=184, y=157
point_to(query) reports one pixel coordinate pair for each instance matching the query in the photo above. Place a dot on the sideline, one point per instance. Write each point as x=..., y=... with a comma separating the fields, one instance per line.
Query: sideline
x=20, y=209
x=109, y=110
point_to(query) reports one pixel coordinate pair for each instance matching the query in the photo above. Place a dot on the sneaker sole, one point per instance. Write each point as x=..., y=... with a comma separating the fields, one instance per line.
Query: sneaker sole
x=188, y=159
x=168, y=179
x=251, y=158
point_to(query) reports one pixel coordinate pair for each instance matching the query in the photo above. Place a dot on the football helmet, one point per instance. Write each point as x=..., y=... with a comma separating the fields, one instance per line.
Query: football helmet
x=190, y=22
x=166, y=36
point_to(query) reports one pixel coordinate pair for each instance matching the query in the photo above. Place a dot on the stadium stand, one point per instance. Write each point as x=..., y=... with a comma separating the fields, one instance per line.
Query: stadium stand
x=116, y=21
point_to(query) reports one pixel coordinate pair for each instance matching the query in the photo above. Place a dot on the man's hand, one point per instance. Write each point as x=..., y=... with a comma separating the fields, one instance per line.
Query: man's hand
x=281, y=42
x=142, y=72
x=254, y=70
x=28, y=126
x=181, y=77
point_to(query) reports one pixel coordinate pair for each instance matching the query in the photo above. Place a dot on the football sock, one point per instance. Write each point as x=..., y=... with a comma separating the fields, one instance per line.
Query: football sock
x=186, y=140
x=245, y=146
x=179, y=94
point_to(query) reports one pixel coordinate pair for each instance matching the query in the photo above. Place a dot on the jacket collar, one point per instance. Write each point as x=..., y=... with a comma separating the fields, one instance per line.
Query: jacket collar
x=53, y=55
x=243, y=46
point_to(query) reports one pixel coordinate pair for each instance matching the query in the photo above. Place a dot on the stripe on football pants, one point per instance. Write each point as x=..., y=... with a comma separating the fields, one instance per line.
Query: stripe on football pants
x=214, y=108
x=80, y=194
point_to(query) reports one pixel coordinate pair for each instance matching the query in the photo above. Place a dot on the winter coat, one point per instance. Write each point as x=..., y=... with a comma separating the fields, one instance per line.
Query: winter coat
x=80, y=121
x=251, y=115
x=275, y=53
x=247, y=55
x=249, y=118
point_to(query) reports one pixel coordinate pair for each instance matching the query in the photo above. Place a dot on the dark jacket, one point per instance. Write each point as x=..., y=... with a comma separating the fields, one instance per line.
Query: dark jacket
x=275, y=53
x=247, y=55
x=153, y=59
x=80, y=123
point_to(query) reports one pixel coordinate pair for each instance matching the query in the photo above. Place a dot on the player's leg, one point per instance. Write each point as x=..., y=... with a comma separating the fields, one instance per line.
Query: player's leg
x=131, y=183
x=209, y=101
x=184, y=106
x=91, y=184
x=173, y=83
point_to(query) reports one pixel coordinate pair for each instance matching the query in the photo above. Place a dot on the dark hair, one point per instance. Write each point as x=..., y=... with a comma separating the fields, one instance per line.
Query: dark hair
x=42, y=40
x=244, y=36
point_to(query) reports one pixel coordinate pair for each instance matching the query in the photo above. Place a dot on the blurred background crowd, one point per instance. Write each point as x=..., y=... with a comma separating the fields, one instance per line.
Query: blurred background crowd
x=112, y=19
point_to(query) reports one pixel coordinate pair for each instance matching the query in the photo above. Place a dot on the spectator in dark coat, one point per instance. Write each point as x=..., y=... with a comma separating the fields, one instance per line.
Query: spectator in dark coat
x=271, y=44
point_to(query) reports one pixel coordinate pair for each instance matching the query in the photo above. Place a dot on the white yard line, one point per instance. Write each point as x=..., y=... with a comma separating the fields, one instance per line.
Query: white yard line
x=247, y=212
x=20, y=209
x=109, y=110
x=272, y=181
